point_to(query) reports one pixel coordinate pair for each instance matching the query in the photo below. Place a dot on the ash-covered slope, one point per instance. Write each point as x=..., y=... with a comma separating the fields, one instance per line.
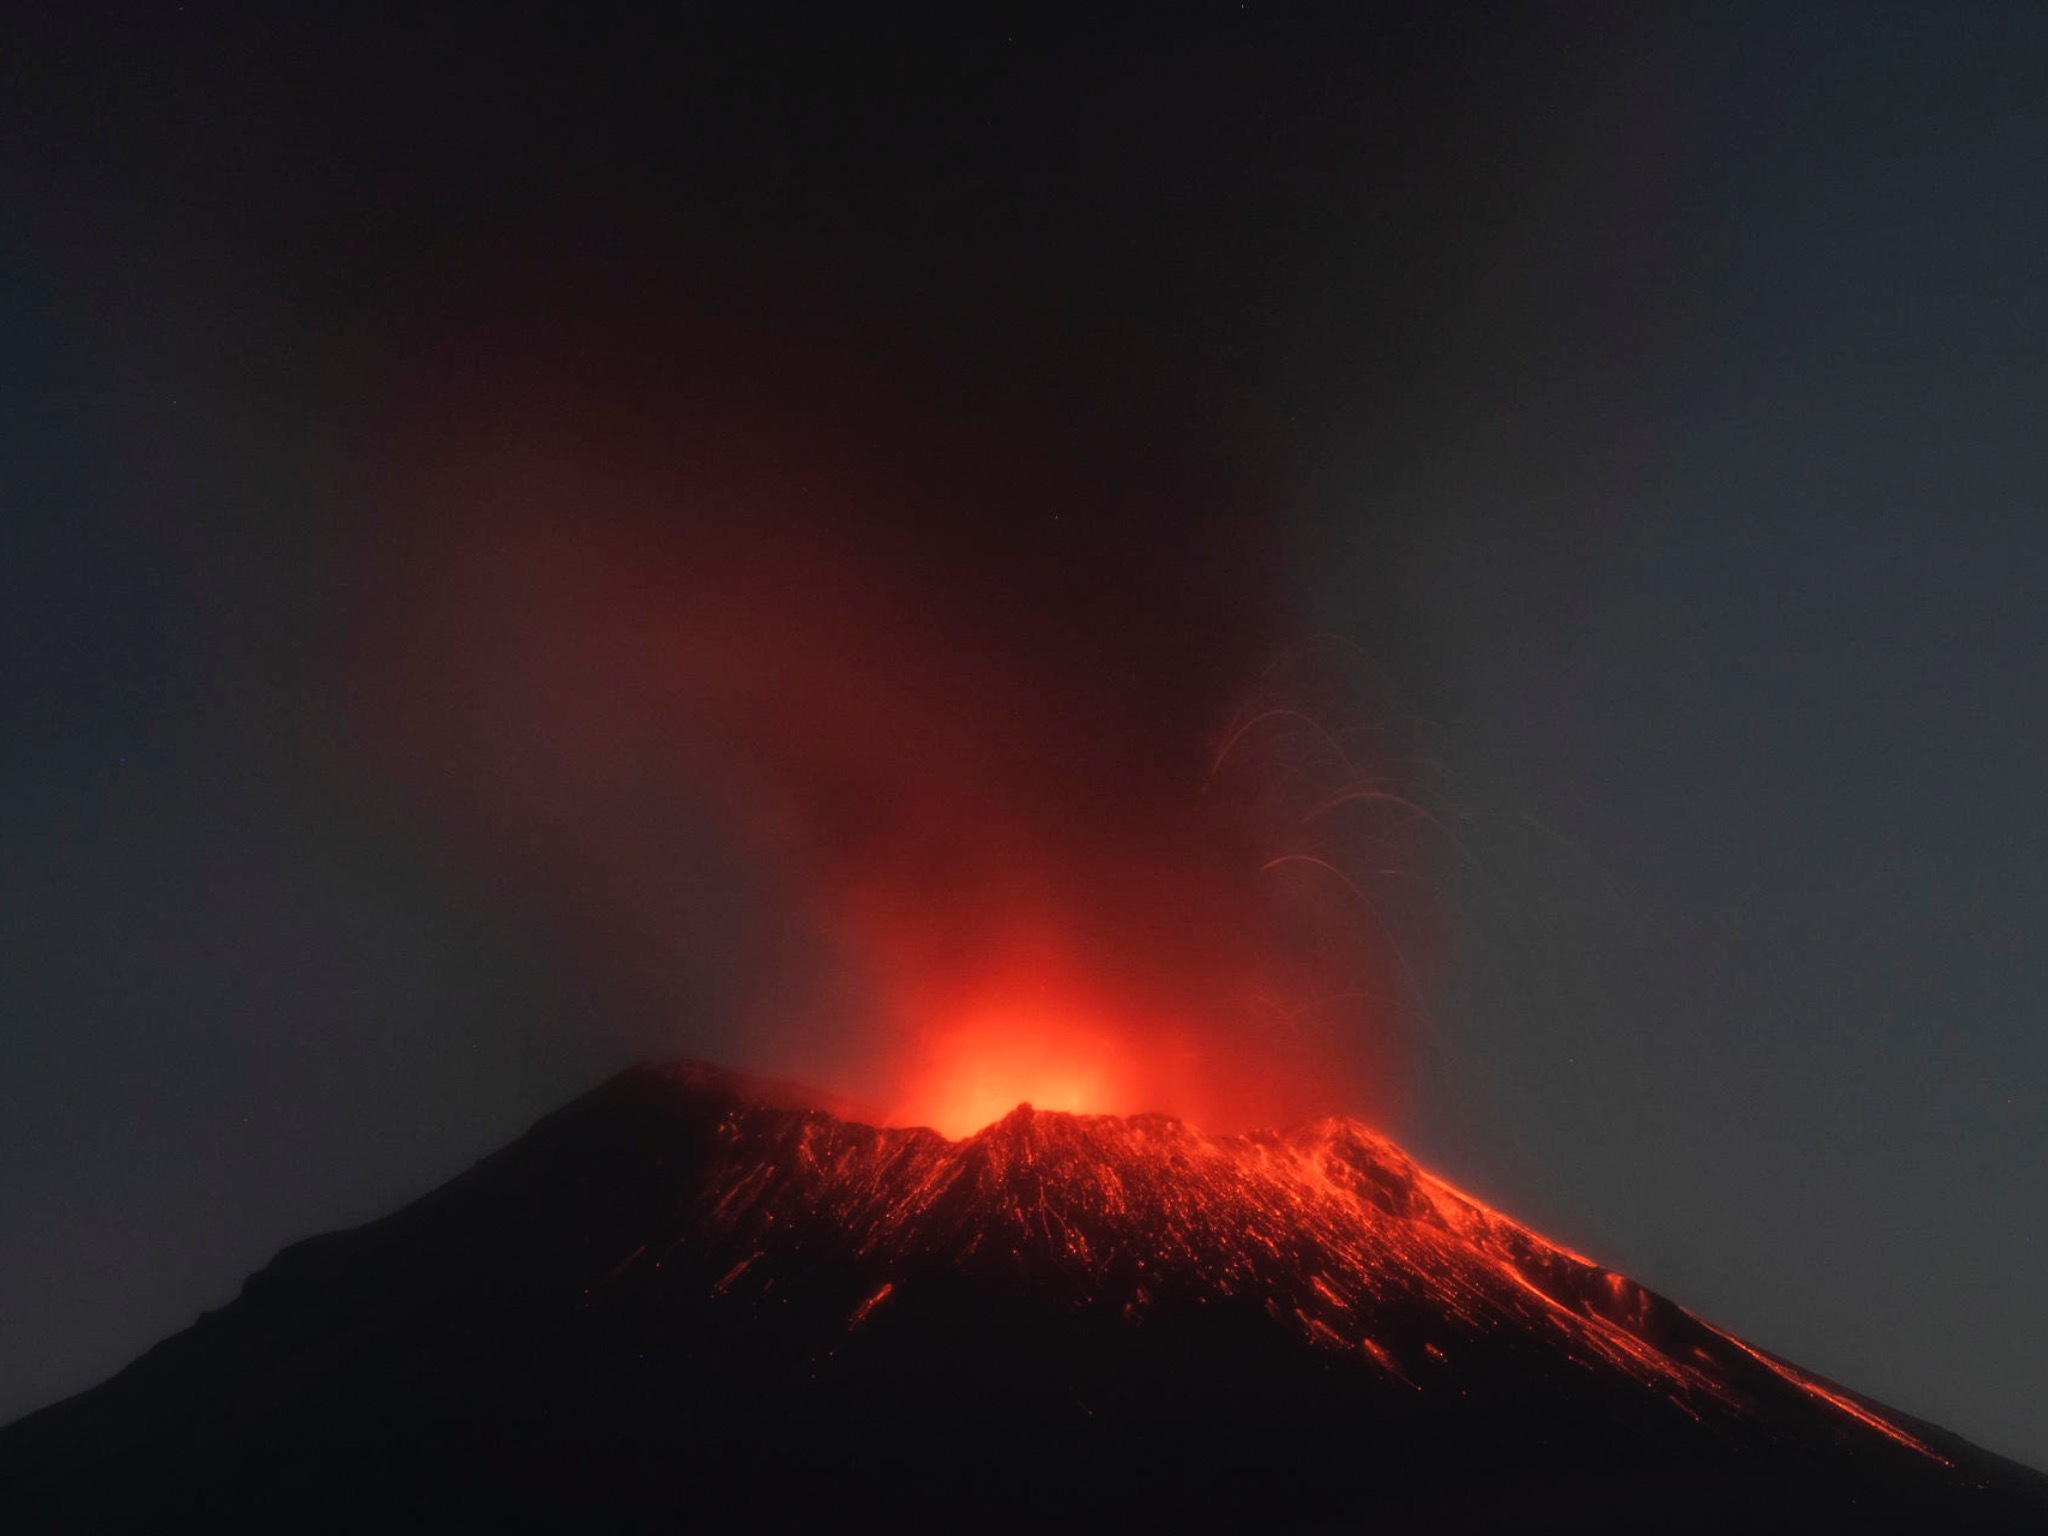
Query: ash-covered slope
x=686, y=1298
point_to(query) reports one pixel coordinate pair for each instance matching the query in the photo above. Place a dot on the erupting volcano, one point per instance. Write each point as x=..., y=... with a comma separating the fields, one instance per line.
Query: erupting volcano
x=936, y=773
x=692, y=1297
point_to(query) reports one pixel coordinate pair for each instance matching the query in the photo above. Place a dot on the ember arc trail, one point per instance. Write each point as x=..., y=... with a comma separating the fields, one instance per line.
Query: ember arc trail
x=691, y=1297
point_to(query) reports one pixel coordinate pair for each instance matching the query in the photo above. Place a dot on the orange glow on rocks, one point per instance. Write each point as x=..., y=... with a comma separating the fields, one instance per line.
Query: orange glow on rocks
x=1329, y=1233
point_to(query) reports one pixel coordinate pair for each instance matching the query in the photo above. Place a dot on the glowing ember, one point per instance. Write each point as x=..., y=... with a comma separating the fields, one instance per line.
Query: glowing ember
x=977, y=1073
x=1328, y=1232
x=669, y=1294
x=982, y=1076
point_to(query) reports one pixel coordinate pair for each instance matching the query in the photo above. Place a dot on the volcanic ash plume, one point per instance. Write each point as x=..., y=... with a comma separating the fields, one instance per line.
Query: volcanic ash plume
x=943, y=748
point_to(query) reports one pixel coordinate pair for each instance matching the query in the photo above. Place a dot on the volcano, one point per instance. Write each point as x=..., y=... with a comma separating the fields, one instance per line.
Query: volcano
x=691, y=1299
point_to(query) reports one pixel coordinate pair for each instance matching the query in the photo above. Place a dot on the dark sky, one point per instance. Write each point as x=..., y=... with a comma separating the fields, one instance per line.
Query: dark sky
x=1653, y=401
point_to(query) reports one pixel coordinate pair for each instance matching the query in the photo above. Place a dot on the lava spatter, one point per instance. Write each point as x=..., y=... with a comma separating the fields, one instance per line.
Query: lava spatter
x=1331, y=1230
x=691, y=1299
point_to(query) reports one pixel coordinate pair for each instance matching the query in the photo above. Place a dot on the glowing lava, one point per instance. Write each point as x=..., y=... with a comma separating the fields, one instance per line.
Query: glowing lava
x=976, y=1074
x=1328, y=1233
x=695, y=1301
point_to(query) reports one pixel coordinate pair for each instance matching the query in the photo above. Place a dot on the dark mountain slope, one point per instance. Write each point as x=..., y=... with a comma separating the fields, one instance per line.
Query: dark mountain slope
x=687, y=1300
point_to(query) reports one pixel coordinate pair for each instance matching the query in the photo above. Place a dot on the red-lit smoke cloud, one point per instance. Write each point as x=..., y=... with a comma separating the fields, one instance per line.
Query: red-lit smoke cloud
x=952, y=693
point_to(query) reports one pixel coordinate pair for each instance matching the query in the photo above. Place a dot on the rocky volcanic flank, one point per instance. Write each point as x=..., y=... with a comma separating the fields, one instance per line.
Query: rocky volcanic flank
x=688, y=1298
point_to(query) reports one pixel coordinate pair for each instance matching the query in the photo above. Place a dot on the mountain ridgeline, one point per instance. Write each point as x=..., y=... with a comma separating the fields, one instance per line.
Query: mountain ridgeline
x=690, y=1297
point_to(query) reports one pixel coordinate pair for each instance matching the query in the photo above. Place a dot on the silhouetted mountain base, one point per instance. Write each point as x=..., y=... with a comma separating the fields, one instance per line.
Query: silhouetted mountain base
x=683, y=1301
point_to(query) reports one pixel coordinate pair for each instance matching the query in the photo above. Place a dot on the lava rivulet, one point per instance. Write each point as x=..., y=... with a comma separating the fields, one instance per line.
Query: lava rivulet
x=1329, y=1231
x=691, y=1299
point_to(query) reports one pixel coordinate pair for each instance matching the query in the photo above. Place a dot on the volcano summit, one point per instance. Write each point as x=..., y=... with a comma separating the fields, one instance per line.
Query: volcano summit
x=692, y=1297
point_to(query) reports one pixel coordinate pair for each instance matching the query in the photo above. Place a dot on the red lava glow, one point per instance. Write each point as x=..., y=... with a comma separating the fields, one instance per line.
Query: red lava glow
x=739, y=670
x=1329, y=1230
x=973, y=1075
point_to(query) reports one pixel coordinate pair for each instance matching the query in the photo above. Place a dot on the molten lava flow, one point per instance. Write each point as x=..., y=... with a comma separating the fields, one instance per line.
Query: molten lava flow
x=686, y=1283
x=1328, y=1233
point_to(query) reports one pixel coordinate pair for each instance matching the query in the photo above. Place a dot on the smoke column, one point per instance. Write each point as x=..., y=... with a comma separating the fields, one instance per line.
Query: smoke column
x=979, y=713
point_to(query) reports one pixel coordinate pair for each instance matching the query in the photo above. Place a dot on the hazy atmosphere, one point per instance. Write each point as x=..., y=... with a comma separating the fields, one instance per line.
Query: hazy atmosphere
x=1478, y=568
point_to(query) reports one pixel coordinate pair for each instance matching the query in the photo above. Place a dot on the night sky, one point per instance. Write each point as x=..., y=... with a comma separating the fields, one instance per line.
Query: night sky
x=528, y=536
